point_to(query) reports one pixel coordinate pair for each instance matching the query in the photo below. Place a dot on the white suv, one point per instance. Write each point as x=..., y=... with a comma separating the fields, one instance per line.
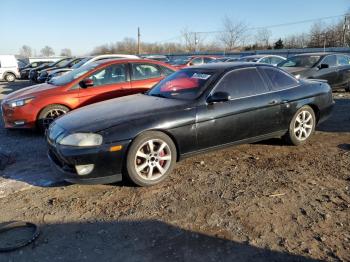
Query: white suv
x=8, y=68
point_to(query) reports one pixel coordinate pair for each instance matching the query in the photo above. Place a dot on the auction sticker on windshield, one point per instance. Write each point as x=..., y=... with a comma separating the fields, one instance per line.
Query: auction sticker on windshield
x=201, y=76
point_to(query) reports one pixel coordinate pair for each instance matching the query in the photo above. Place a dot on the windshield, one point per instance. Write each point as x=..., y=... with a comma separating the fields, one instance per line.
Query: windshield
x=186, y=84
x=180, y=61
x=83, y=61
x=301, y=61
x=72, y=75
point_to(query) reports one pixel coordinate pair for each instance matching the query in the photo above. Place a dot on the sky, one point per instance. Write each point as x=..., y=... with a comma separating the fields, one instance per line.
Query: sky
x=82, y=25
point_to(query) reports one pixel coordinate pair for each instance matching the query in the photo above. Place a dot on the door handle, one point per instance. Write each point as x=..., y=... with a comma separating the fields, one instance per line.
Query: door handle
x=273, y=102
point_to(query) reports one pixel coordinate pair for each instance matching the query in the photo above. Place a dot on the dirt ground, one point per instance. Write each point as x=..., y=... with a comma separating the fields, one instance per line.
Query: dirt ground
x=257, y=202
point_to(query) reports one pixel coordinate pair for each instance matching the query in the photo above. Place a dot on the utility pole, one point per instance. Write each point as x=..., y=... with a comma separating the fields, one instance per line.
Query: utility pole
x=195, y=42
x=344, y=31
x=138, y=41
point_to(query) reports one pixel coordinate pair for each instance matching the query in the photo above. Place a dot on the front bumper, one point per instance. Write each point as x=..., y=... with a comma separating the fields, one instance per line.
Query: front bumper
x=26, y=114
x=108, y=165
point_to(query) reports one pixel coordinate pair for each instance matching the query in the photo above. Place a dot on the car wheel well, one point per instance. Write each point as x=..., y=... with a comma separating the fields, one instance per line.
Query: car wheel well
x=316, y=111
x=42, y=109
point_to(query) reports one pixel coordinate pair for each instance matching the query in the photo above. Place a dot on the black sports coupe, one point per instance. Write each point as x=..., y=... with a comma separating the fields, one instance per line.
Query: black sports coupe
x=142, y=136
x=333, y=67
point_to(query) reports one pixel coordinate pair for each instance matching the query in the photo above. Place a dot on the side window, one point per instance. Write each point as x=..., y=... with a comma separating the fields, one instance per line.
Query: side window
x=166, y=71
x=276, y=60
x=207, y=59
x=197, y=61
x=112, y=74
x=144, y=71
x=343, y=60
x=279, y=79
x=330, y=60
x=242, y=83
x=266, y=60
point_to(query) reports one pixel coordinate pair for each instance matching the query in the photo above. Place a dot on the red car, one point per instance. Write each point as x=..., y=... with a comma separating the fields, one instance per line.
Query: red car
x=192, y=60
x=38, y=105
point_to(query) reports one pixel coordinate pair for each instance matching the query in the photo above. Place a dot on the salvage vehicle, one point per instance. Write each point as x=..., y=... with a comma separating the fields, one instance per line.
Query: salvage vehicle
x=43, y=75
x=35, y=72
x=8, y=68
x=39, y=105
x=333, y=67
x=142, y=136
x=87, y=60
x=192, y=61
x=266, y=59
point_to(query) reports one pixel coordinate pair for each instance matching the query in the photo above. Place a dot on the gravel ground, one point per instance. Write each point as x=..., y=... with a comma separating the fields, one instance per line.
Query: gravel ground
x=257, y=202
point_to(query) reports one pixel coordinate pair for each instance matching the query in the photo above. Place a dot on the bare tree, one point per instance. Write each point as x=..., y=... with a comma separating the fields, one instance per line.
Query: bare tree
x=66, y=52
x=47, y=51
x=263, y=37
x=317, y=35
x=193, y=40
x=25, y=51
x=233, y=33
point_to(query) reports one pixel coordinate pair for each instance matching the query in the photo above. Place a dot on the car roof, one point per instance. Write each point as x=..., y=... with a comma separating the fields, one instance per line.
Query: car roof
x=127, y=60
x=227, y=66
x=318, y=54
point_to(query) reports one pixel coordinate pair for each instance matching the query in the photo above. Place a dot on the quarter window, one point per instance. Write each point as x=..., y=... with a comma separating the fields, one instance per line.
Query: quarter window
x=110, y=75
x=144, y=71
x=279, y=79
x=242, y=83
x=343, y=60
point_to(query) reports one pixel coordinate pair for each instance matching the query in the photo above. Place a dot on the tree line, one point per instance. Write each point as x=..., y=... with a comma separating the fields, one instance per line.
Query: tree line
x=232, y=36
x=47, y=51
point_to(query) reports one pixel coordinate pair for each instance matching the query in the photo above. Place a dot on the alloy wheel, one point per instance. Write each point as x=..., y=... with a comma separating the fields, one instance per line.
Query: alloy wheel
x=153, y=159
x=303, y=125
x=51, y=116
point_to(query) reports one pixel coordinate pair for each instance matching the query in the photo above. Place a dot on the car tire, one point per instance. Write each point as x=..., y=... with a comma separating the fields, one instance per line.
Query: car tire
x=49, y=114
x=9, y=77
x=301, y=127
x=150, y=158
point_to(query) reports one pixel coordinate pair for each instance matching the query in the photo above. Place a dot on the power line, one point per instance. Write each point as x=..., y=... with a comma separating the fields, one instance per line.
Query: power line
x=263, y=27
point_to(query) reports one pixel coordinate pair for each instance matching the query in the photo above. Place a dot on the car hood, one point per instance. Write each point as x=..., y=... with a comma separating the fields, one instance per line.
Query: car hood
x=29, y=91
x=103, y=115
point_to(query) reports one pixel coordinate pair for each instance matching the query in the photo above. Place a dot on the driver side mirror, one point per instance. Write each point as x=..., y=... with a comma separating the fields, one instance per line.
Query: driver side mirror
x=323, y=66
x=218, y=97
x=86, y=83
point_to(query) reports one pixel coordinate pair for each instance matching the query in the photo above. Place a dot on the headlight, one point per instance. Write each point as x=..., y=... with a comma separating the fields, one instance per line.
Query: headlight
x=82, y=139
x=19, y=102
x=297, y=76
